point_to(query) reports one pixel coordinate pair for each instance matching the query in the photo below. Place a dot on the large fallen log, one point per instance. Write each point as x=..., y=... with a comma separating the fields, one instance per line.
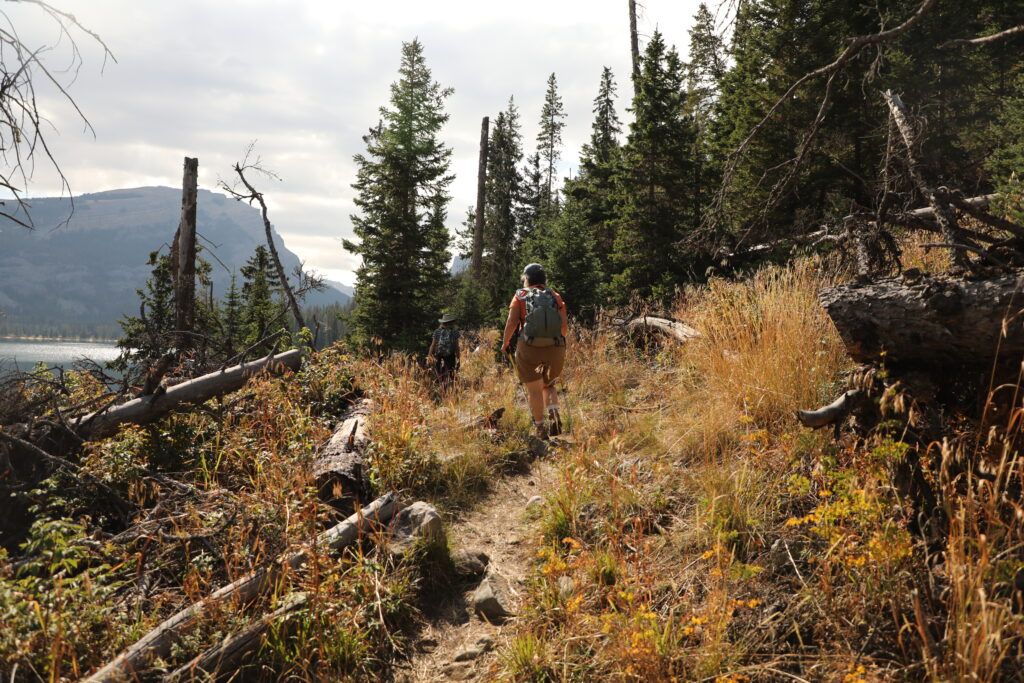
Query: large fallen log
x=157, y=643
x=672, y=328
x=930, y=321
x=146, y=409
x=223, y=659
x=339, y=473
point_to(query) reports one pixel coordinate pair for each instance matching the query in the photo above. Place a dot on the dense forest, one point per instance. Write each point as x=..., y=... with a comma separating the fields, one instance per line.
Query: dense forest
x=791, y=259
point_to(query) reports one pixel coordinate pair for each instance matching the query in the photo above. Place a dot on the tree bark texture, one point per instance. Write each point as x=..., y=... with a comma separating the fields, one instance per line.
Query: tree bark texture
x=145, y=409
x=634, y=45
x=185, y=256
x=930, y=322
x=339, y=473
x=941, y=210
x=221, y=661
x=158, y=642
x=481, y=186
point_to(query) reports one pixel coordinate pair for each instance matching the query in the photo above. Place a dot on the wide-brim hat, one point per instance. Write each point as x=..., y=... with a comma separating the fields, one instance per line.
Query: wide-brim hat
x=447, y=318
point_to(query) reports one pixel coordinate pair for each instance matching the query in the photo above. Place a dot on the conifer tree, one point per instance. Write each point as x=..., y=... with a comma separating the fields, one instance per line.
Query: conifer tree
x=501, y=219
x=529, y=210
x=260, y=312
x=402, y=191
x=656, y=209
x=707, y=64
x=594, y=190
x=232, y=319
x=148, y=335
x=549, y=143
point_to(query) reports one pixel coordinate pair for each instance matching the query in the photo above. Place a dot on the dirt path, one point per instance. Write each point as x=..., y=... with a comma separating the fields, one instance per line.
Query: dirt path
x=498, y=527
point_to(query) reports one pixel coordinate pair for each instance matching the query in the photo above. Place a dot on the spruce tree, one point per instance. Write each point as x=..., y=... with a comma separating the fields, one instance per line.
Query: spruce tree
x=501, y=218
x=656, y=209
x=594, y=190
x=402, y=191
x=232, y=319
x=148, y=335
x=707, y=64
x=261, y=313
x=549, y=143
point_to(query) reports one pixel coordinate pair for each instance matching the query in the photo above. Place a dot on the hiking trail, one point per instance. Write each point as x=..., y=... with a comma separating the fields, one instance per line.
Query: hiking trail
x=498, y=527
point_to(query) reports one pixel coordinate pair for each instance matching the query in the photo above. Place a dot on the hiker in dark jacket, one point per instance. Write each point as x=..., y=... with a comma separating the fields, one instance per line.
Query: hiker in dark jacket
x=444, y=351
x=537, y=313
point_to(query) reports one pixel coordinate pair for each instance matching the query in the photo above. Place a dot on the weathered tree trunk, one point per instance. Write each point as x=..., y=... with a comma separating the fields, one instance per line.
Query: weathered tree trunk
x=673, y=328
x=481, y=186
x=223, y=659
x=634, y=45
x=339, y=473
x=941, y=210
x=158, y=642
x=196, y=391
x=930, y=321
x=185, y=256
x=293, y=304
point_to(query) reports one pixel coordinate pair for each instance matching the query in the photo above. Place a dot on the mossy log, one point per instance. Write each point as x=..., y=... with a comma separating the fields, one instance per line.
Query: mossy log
x=930, y=322
x=146, y=409
x=157, y=643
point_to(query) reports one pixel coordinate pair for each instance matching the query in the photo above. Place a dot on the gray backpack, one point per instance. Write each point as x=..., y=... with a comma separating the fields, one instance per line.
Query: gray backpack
x=543, y=324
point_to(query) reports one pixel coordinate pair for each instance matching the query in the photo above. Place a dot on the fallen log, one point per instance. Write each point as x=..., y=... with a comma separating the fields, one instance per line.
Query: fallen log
x=223, y=659
x=835, y=411
x=158, y=642
x=146, y=409
x=339, y=473
x=929, y=322
x=673, y=328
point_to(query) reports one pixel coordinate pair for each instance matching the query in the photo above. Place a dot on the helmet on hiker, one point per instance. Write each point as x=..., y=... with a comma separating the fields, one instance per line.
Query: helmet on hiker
x=534, y=274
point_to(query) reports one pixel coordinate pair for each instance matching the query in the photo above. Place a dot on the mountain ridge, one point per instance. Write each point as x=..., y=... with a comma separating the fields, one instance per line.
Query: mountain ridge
x=82, y=267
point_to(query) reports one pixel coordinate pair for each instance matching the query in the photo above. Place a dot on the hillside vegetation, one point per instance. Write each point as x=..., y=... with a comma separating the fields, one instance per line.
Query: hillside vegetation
x=707, y=534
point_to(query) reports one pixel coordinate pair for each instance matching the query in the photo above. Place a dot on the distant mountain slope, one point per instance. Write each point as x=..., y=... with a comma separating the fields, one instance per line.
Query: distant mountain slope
x=86, y=272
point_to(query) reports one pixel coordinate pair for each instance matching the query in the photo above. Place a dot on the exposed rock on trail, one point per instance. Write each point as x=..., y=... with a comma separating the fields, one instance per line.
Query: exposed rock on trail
x=457, y=644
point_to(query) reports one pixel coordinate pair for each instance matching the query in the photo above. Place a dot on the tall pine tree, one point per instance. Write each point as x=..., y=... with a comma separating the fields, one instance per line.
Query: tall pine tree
x=549, y=144
x=656, y=209
x=501, y=218
x=594, y=189
x=402, y=185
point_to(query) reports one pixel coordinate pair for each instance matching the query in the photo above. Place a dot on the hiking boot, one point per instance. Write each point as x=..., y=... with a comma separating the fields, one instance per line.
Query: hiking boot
x=556, y=421
x=540, y=430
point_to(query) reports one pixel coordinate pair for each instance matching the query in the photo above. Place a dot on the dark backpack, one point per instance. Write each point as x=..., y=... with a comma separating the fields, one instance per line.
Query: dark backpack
x=543, y=321
x=445, y=345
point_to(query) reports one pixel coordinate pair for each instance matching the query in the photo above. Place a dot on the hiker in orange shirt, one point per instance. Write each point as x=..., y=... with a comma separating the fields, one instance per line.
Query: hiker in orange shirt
x=538, y=314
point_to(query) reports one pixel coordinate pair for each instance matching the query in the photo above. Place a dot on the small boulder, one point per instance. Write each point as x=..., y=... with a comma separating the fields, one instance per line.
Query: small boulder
x=492, y=599
x=482, y=645
x=470, y=564
x=415, y=522
x=566, y=588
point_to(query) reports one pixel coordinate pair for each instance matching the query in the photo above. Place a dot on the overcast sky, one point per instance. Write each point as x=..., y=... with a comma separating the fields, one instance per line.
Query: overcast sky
x=305, y=80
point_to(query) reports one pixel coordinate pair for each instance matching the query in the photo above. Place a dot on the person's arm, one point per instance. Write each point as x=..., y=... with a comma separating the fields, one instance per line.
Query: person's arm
x=433, y=341
x=565, y=321
x=458, y=348
x=510, y=327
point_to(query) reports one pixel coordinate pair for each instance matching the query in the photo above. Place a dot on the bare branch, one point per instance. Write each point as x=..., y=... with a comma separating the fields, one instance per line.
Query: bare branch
x=983, y=40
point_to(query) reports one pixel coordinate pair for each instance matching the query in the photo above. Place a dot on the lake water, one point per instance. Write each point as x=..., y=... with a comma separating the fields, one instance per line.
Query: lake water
x=20, y=354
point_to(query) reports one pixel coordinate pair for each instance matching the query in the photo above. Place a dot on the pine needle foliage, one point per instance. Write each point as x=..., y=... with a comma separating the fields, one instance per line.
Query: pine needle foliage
x=402, y=194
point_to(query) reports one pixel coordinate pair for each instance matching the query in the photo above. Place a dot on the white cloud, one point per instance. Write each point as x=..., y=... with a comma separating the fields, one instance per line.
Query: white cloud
x=306, y=78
